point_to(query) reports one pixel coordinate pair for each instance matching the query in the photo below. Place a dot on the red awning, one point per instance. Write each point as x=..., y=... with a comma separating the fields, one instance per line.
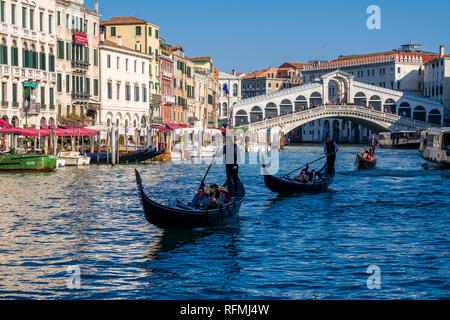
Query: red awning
x=160, y=128
x=5, y=124
x=174, y=126
x=11, y=131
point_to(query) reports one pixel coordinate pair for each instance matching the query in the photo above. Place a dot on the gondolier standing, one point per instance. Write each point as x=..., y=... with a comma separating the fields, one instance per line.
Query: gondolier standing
x=373, y=145
x=330, y=149
x=231, y=155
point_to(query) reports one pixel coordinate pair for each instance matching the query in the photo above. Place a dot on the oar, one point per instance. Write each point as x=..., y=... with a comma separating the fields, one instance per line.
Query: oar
x=330, y=154
x=202, y=184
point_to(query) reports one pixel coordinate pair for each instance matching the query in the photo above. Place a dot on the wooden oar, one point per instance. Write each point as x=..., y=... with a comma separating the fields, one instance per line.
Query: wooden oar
x=330, y=154
x=202, y=184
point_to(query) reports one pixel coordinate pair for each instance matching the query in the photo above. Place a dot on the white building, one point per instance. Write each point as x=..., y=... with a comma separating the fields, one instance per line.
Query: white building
x=402, y=70
x=124, y=81
x=27, y=58
x=437, y=82
x=233, y=83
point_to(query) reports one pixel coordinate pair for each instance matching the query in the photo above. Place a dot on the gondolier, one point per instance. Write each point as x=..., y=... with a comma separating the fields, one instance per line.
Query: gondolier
x=330, y=149
x=373, y=144
x=230, y=153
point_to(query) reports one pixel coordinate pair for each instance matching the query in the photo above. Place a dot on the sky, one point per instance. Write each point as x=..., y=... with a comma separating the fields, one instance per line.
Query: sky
x=248, y=35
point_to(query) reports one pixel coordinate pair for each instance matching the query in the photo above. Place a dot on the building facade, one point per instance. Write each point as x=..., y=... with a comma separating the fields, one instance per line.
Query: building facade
x=124, y=88
x=232, y=83
x=28, y=63
x=166, y=76
x=77, y=63
x=437, y=82
x=183, y=84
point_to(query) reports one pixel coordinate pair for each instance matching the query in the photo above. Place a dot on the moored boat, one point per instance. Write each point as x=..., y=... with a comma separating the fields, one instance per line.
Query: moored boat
x=73, y=158
x=27, y=162
x=186, y=217
x=435, y=147
x=401, y=139
x=365, y=164
x=288, y=185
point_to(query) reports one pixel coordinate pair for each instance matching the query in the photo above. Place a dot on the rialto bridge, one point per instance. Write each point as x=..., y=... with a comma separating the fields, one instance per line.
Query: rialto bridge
x=377, y=108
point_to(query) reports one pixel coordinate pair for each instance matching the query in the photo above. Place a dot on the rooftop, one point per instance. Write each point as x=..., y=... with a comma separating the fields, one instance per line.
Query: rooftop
x=122, y=21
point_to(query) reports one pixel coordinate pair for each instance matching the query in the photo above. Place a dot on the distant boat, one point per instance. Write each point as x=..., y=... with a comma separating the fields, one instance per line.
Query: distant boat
x=435, y=148
x=27, y=163
x=74, y=158
x=365, y=164
x=131, y=157
x=402, y=139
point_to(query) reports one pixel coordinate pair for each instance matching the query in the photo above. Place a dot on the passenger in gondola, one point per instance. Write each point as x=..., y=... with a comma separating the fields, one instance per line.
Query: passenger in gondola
x=200, y=200
x=303, y=177
x=330, y=149
x=315, y=177
x=217, y=198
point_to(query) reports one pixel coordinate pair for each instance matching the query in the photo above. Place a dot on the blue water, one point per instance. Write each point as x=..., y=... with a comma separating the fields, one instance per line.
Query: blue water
x=307, y=247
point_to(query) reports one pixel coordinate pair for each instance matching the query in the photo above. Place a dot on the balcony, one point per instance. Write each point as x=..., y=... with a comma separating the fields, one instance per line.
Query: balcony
x=168, y=100
x=43, y=106
x=80, y=65
x=15, y=105
x=5, y=104
x=52, y=107
x=35, y=109
x=80, y=96
x=155, y=99
x=167, y=75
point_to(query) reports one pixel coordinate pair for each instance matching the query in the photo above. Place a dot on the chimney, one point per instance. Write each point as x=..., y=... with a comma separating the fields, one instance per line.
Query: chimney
x=234, y=72
x=119, y=41
x=442, y=52
x=102, y=37
x=96, y=6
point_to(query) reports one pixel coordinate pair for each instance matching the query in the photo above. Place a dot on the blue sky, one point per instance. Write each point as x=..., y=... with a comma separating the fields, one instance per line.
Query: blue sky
x=248, y=35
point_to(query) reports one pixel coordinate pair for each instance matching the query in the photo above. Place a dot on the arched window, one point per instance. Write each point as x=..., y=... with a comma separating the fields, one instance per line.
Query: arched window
x=271, y=110
x=404, y=110
x=315, y=99
x=301, y=103
x=435, y=117
x=256, y=114
x=375, y=102
x=240, y=118
x=420, y=113
x=390, y=106
x=286, y=106
x=224, y=109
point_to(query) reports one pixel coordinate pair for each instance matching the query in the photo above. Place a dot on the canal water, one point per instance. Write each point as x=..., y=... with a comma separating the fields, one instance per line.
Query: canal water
x=394, y=220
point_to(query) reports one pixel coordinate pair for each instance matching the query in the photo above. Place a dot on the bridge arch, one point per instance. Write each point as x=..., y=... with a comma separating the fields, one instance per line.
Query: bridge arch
x=241, y=118
x=390, y=106
x=301, y=103
x=435, y=117
x=286, y=106
x=404, y=110
x=315, y=99
x=256, y=114
x=375, y=102
x=360, y=99
x=420, y=113
x=271, y=110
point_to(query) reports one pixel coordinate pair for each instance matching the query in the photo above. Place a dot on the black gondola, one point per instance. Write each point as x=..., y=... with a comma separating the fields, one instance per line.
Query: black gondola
x=364, y=164
x=287, y=185
x=186, y=217
x=131, y=157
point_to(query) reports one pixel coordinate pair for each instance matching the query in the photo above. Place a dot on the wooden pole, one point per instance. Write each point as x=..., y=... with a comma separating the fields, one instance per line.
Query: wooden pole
x=108, y=142
x=98, y=148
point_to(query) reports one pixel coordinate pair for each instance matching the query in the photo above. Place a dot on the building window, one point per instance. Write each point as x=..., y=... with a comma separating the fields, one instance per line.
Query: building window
x=127, y=93
x=109, y=90
x=61, y=50
x=14, y=92
x=157, y=34
x=88, y=86
x=50, y=24
x=13, y=14
x=150, y=31
x=24, y=17
x=52, y=98
x=95, y=57
x=96, y=87
x=58, y=18
x=41, y=21
x=2, y=11
x=144, y=94
x=113, y=31
x=42, y=96
x=108, y=59
x=52, y=63
x=31, y=19
x=118, y=91
x=136, y=93
x=138, y=31
x=67, y=83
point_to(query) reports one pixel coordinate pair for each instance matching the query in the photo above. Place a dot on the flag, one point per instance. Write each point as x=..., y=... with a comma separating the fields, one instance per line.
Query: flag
x=225, y=88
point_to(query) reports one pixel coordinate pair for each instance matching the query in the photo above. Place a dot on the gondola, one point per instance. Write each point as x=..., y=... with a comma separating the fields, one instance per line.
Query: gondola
x=186, y=217
x=364, y=164
x=131, y=157
x=288, y=185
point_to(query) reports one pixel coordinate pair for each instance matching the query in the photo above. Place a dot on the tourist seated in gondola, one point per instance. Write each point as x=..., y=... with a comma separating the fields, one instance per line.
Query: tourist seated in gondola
x=200, y=200
x=217, y=198
x=315, y=177
x=303, y=177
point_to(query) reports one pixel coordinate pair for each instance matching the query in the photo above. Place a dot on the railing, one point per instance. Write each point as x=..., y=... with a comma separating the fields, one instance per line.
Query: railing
x=15, y=105
x=155, y=98
x=80, y=95
x=52, y=107
x=79, y=64
x=168, y=99
x=5, y=104
x=43, y=106
x=167, y=74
